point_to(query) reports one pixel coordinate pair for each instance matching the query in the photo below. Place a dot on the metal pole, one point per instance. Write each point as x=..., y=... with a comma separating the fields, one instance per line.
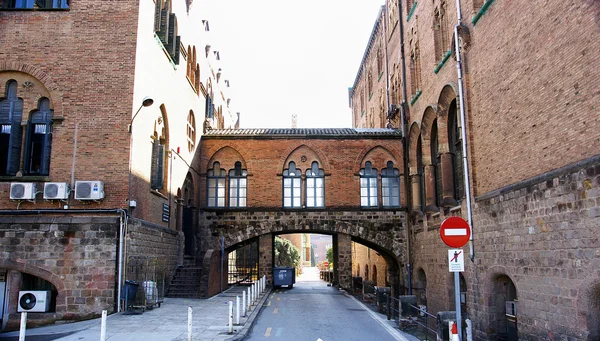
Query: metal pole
x=190, y=312
x=230, y=317
x=244, y=303
x=103, y=326
x=23, y=326
x=457, y=302
x=237, y=310
x=249, y=299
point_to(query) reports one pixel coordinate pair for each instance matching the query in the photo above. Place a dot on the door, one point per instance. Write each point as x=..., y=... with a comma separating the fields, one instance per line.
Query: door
x=188, y=230
x=511, y=320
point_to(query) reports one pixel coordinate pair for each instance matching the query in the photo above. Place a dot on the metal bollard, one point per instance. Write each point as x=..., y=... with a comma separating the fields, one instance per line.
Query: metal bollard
x=230, y=317
x=23, y=326
x=244, y=303
x=249, y=300
x=190, y=312
x=237, y=310
x=103, y=326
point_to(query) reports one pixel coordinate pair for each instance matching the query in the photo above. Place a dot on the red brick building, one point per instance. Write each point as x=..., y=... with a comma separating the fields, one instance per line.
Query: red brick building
x=528, y=91
x=98, y=122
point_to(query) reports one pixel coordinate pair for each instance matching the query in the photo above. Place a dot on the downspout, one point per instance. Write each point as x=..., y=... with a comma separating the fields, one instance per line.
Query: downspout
x=463, y=128
x=404, y=143
x=122, y=229
x=387, y=72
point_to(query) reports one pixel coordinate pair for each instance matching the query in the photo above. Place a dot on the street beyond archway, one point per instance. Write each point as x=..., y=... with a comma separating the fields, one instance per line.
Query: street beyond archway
x=312, y=311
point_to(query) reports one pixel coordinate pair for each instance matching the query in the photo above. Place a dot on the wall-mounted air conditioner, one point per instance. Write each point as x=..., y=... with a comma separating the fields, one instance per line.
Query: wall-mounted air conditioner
x=34, y=301
x=89, y=190
x=56, y=191
x=22, y=190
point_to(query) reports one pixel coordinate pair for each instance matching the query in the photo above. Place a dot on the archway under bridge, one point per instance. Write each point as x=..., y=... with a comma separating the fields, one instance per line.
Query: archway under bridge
x=252, y=258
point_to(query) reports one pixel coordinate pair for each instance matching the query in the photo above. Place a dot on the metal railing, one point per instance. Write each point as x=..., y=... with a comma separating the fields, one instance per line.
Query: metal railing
x=422, y=321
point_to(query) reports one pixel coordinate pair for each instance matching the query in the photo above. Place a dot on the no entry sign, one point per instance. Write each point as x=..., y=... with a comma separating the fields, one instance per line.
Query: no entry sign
x=455, y=232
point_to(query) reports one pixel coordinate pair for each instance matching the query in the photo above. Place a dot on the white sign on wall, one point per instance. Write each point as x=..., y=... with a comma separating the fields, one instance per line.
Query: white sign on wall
x=456, y=260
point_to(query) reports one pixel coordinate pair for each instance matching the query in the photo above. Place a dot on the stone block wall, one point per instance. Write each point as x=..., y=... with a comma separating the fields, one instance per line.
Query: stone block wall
x=149, y=240
x=77, y=254
x=543, y=235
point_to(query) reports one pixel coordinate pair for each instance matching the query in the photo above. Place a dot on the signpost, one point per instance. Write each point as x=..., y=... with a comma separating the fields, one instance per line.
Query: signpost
x=455, y=232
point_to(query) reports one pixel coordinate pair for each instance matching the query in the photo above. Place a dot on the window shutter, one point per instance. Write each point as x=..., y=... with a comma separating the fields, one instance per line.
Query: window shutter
x=209, y=107
x=14, y=152
x=157, y=15
x=172, y=33
x=45, y=169
x=164, y=24
x=160, y=170
x=177, y=50
x=154, y=166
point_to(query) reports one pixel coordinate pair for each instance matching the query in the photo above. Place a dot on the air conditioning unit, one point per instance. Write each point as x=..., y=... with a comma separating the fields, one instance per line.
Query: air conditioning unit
x=89, y=190
x=22, y=190
x=34, y=301
x=56, y=191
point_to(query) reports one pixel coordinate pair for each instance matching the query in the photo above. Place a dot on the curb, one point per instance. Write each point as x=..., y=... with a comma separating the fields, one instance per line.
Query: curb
x=243, y=332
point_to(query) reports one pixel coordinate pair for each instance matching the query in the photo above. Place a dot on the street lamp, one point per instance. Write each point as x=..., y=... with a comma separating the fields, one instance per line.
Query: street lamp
x=146, y=102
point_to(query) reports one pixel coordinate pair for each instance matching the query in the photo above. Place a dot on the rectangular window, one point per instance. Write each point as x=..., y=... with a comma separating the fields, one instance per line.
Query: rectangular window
x=315, y=192
x=237, y=192
x=292, y=193
x=368, y=192
x=35, y=4
x=390, y=192
x=216, y=192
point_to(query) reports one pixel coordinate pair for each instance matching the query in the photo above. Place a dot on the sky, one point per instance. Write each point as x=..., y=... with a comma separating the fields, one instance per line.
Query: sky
x=286, y=58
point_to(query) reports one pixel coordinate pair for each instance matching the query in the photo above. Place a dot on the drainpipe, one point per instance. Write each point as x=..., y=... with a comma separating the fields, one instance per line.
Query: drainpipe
x=404, y=141
x=387, y=72
x=464, y=128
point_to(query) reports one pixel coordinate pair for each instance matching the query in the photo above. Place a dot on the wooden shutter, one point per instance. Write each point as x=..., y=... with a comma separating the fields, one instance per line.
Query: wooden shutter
x=14, y=151
x=157, y=15
x=154, y=165
x=160, y=174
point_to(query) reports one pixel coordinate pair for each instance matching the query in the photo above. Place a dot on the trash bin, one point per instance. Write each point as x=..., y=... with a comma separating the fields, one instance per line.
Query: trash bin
x=129, y=291
x=151, y=292
x=381, y=294
x=284, y=275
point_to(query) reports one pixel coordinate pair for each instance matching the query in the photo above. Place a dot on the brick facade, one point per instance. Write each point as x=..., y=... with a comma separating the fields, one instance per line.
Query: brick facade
x=532, y=171
x=96, y=76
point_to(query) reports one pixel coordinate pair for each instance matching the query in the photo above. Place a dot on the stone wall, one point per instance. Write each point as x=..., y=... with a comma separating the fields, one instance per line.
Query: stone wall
x=148, y=240
x=77, y=254
x=543, y=235
x=382, y=230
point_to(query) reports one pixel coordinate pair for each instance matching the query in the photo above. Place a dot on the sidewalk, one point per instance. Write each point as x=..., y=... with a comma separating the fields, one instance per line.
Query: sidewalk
x=168, y=322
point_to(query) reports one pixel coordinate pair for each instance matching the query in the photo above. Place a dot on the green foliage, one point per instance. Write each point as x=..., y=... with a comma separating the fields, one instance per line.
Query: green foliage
x=286, y=254
x=329, y=255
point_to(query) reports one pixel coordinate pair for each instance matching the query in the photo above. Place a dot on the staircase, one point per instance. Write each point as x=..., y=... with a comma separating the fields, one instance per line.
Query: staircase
x=186, y=283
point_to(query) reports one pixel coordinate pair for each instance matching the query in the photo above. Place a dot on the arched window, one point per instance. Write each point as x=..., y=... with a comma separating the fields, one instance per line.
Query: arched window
x=216, y=186
x=390, y=186
x=421, y=172
x=315, y=186
x=39, y=140
x=292, y=189
x=368, y=186
x=370, y=83
x=455, y=144
x=191, y=131
x=11, y=133
x=437, y=165
x=160, y=161
x=375, y=274
x=237, y=186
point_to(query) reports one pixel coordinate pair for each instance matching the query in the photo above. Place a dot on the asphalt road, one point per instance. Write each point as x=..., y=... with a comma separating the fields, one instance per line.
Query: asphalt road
x=311, y=311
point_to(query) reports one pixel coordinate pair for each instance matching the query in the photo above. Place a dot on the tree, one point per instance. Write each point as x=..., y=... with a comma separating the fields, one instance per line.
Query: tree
x=329, y=255
x=286, y=254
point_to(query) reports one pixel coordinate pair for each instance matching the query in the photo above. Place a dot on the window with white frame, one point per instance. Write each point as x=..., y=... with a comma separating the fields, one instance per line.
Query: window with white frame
x=368, y=186
x=315, y=186
x=216, y=186
x=292, y=189
x=390, y=186
x=237, y=186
